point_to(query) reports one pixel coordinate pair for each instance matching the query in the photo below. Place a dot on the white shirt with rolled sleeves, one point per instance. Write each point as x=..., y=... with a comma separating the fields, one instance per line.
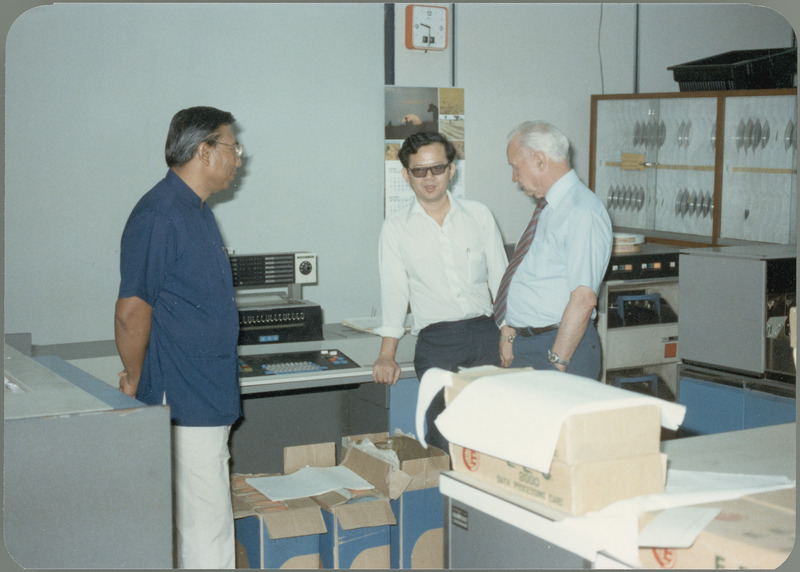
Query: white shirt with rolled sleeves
x=447, y=273
x=572, y=248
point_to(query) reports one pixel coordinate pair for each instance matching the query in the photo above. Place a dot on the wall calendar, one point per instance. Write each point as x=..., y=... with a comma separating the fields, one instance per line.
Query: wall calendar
x=410, y=110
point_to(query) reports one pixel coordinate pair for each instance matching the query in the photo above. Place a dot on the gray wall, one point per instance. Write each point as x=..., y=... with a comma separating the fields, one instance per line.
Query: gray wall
x=545, y=62
x=90, y=90
x=87, y=121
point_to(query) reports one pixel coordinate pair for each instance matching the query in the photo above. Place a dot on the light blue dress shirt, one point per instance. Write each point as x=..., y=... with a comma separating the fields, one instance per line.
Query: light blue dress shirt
x=571, y=248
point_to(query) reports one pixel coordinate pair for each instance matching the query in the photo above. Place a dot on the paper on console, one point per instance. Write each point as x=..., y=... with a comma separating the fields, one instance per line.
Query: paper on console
x=517, y=416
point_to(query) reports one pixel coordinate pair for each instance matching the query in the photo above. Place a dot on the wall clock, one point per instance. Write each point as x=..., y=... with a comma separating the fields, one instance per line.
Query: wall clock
x=427, y=27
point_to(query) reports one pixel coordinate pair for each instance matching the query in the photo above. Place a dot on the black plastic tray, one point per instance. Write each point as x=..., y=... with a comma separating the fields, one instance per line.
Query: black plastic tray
x=741, y=69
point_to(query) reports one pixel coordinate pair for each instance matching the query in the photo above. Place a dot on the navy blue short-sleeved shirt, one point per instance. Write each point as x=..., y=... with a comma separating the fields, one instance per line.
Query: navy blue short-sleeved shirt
x=172, y=257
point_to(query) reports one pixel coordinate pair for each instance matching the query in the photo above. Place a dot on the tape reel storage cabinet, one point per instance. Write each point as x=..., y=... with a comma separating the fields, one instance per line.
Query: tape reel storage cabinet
x=698, y=168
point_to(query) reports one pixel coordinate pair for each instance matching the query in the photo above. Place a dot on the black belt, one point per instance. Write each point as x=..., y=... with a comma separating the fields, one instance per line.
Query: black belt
x=449, y=326
x=528, y=332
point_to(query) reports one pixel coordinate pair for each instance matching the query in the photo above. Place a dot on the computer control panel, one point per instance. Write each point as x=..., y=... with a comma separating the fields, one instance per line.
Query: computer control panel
x=294, y=363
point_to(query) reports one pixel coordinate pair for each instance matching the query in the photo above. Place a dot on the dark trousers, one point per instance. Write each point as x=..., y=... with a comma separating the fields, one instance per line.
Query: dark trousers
x=450, y=345
x=532, y=352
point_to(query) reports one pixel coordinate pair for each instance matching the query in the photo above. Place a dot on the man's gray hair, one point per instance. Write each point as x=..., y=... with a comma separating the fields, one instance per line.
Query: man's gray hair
x=190, y=127
x=544, y=137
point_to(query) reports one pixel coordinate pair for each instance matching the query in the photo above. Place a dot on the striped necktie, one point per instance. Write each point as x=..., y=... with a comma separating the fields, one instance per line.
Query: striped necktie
x=519, y=253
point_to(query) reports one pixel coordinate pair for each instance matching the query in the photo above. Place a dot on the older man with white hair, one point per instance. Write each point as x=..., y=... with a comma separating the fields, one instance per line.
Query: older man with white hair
x=547, y=298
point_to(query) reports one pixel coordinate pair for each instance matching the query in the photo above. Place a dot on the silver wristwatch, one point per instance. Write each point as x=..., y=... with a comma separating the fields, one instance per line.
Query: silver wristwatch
x=508, y=339
x=553, y=358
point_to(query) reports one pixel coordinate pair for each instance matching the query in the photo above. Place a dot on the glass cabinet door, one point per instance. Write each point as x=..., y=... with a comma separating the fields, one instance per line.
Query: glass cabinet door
x=654, y=163
x=759, y=174
x=628, y=129
x=685, y=167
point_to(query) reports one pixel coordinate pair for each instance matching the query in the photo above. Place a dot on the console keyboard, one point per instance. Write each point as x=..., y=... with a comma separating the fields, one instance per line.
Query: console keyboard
x=293, y=362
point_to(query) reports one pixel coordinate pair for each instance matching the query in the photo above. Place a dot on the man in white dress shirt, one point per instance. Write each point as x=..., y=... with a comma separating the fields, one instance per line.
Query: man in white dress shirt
x=444, y=256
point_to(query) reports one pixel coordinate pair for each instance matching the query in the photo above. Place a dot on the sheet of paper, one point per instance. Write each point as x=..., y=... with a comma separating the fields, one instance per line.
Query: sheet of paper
x=432, y=381
x=371, y=323
x=309, y=481
x=686, y=488
x=694, y=487
x=677, y=527
x=614, y=529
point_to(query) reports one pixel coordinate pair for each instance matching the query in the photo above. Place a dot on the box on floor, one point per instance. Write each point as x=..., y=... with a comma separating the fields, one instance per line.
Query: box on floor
x=417, y=540
x=357, y=530
x=600, y=457
x=755, y=531
x=274, y=534
x=357, y=525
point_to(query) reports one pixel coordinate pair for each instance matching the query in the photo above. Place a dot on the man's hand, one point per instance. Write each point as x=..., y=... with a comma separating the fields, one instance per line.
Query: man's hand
x=507, y=348
x=385, y=370
x=126, y=384
x=132, y=322
x=506, y=354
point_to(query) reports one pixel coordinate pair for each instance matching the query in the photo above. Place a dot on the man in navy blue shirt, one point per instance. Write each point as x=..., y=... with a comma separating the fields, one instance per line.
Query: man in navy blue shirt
x=176, y=326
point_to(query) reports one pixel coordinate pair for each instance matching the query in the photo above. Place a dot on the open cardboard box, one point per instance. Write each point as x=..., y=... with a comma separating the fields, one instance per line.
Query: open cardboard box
x=419, y=467
x=755, y=531
x=358, y=530
x=357, y=522
x=417, y=541
x=274, y=534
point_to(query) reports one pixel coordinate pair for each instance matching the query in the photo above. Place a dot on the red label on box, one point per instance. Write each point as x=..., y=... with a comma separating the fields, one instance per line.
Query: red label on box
x=671, y=350
x=665, y=557
x=470, y=458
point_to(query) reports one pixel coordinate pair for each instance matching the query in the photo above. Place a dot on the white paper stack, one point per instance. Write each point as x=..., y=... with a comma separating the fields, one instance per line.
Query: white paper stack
x=517, y=416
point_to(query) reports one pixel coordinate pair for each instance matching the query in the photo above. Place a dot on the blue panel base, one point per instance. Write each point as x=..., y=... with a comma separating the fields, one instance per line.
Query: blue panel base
x=715, y=407
x=710, y=407
x=764, y=409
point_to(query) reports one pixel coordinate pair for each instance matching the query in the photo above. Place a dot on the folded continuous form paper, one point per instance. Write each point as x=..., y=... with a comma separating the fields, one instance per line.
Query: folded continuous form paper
x=517, y=416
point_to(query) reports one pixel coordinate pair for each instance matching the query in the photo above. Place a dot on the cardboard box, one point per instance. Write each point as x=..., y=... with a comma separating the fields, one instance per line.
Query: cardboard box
x=573, y=489
x=589, y=437
x=316, y=455
x=419, y=466
x=756, y=531
x=417, y=541
x=274, y=534
x=356, y=522
x=357, y=530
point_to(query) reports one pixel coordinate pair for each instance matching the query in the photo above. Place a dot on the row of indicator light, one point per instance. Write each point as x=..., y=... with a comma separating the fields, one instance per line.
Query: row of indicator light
x=645, y=266
x=246, y=319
